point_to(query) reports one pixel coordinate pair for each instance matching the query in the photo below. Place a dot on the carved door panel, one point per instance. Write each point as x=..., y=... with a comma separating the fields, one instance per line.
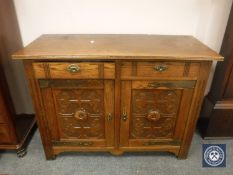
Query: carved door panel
x=154, y=113
x=83, y=111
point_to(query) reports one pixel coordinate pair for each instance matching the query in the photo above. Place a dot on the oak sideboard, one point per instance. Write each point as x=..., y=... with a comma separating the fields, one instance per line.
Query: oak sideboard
x=117, y=93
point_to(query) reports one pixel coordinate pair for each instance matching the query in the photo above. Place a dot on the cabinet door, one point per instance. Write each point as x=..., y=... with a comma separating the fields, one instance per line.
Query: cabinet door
x=79, y=112
x=154, y=112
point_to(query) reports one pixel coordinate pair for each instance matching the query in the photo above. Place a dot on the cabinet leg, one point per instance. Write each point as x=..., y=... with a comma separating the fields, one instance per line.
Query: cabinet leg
x=21, y=152
x=182, y=154
x=48, y=151
x=50, y=156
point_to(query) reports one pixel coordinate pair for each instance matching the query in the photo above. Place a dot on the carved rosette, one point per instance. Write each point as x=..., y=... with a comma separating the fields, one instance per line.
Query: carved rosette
x=81, y=114
x=153, y=115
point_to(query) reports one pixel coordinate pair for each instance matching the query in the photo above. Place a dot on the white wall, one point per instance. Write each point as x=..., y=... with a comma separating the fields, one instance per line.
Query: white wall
x=204, y=19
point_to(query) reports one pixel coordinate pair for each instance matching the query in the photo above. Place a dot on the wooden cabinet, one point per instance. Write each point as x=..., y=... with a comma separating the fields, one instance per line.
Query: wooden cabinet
x=123, y=93
x=5, y=136
x=15, y=129
x=216, y=119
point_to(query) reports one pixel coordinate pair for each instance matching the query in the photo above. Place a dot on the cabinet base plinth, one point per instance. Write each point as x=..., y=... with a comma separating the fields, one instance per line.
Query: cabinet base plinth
x=115, y=152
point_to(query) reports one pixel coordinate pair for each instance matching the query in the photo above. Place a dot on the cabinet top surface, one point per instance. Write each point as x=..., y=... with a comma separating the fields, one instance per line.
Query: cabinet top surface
x=115, y=46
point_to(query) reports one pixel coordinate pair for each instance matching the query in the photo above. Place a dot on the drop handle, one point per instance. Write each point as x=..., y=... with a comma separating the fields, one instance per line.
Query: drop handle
x=160, y=68
x=124, y=116
x=72, y=68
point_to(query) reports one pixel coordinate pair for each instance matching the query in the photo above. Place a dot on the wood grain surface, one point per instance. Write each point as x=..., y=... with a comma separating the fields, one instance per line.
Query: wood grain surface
x=86, y=46
x=123, y=93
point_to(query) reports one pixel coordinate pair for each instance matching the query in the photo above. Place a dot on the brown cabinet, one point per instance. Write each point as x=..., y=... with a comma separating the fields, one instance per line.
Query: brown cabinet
x=15, y=129
x=216, y=119
x=122, y=93
x=5, y=134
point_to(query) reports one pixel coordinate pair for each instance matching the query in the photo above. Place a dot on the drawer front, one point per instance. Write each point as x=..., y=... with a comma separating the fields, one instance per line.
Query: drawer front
x=159, y=69
x=82, y=70
x=4, y=134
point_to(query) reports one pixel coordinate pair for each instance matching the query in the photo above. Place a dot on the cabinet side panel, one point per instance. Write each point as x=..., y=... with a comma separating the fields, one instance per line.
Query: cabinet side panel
x=40, y=112
x=195, y=108
x=47, y=97
x=183, y=113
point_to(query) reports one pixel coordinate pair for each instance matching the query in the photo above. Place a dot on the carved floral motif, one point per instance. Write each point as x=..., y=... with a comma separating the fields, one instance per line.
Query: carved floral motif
x=154, y=113
x=80, y=113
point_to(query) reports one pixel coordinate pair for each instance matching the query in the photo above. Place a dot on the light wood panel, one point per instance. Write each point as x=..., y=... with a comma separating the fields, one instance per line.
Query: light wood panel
x=74, y=70
x=164, y=93
x=121, y=46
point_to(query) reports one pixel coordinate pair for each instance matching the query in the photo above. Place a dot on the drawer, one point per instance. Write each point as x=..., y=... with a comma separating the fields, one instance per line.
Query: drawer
x=4, y=134
x=159, y=69
x=74, y=70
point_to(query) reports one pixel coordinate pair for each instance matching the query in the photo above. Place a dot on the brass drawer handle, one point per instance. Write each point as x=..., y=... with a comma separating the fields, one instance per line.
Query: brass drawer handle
x=160, y=67
x=109, y=117
x=124, y=116
x=72, y=68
